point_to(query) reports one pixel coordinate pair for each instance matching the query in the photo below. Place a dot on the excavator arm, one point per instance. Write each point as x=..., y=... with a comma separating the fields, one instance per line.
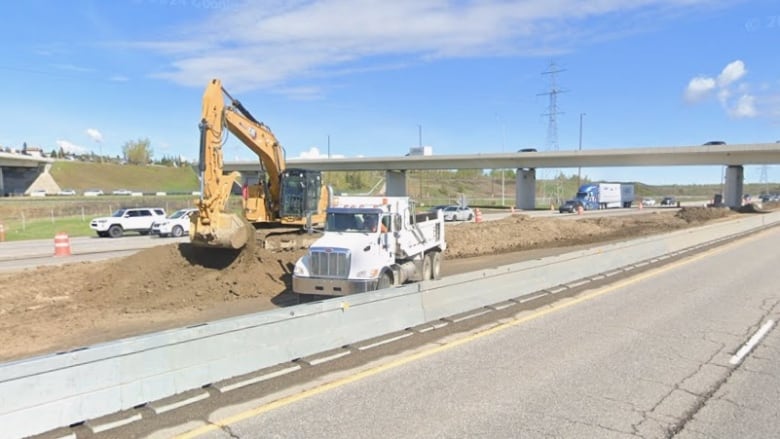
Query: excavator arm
x=213, y=226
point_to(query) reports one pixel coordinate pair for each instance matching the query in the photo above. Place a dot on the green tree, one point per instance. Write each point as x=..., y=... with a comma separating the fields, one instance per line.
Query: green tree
x=138, y=152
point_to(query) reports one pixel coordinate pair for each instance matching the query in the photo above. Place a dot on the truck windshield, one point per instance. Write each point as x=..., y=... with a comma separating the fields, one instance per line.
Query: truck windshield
x=351, y=222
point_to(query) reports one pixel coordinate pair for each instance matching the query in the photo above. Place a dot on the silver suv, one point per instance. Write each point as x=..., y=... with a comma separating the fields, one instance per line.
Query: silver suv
x=132, y=219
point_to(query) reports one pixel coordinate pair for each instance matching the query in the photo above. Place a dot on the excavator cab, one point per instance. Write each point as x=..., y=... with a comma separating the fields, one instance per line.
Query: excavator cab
x=300, y=195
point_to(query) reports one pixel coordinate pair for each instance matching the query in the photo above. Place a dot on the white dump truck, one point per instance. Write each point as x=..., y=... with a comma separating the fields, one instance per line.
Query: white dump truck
x=371, y=243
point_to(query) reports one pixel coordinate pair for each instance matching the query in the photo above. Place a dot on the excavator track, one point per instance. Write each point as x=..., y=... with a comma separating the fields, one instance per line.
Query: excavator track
x=285, y=238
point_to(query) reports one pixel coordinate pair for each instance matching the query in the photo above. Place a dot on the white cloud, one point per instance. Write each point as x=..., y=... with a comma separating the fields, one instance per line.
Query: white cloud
x=733, y=94
x=699, y=88
x=94, y=134
x=266, y=44
x=314, y=153
x=731, y=73
x=744, y=107
x=70, y=147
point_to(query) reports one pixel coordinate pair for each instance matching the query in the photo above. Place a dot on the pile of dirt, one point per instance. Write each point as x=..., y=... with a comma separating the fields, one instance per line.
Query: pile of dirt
x=521, y=232
x=52, y=309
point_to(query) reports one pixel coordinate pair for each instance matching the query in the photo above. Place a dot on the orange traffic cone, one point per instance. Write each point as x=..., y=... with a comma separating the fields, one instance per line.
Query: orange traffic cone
x=478, y=216
x=2, y=232
x=61, y=244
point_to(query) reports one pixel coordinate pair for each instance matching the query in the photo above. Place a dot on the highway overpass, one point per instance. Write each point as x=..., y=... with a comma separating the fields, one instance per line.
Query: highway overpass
x=526, y=163
x=18, y=172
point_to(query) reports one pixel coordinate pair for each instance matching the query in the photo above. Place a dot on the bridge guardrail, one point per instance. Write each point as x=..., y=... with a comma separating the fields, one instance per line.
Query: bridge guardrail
x=46, y=392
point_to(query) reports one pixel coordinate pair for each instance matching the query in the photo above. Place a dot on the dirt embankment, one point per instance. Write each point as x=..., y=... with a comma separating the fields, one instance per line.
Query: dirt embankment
x=53, y=309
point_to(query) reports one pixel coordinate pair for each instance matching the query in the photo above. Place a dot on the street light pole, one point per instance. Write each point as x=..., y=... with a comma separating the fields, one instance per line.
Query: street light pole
x=419, y=131
x=579, y=168
x=503, y=143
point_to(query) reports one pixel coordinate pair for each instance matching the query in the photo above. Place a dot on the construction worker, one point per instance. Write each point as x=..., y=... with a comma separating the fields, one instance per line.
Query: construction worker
x=371, y=223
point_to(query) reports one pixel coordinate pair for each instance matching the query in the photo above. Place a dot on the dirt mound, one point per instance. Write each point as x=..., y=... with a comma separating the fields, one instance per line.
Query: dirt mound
x=47, y=308
x=702, y=214
x=521, y=232
x=185, y=275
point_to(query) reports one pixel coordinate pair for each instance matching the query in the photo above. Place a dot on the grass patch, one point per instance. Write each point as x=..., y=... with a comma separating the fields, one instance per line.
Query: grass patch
x=111, y=176
x=18, y=230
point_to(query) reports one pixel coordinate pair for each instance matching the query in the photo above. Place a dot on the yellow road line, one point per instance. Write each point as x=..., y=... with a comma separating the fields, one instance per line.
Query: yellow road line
x=555, y=307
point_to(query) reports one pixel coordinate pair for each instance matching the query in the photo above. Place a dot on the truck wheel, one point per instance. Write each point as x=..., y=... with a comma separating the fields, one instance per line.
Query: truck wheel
x=384, y=282
x=177, y=232
x=115, y=231
x=435, y=265
x=427, y=268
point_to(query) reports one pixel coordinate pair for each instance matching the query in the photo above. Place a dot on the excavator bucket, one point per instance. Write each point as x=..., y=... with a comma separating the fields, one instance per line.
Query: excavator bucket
x=229, y=231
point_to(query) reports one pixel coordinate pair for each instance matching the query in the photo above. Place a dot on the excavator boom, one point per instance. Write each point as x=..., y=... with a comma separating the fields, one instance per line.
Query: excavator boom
x=285, y=198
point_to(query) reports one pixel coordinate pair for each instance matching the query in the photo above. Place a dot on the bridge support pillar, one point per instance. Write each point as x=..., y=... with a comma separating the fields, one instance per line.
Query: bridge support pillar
x=732, y=190
x=395, y=183
x=525, y=197
x=2, y=183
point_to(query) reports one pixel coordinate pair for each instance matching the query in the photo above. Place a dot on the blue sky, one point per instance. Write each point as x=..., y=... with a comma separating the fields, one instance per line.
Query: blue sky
x=373, y=75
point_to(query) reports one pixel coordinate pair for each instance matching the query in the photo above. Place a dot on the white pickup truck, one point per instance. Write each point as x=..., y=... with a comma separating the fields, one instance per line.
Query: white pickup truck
x=371, y=243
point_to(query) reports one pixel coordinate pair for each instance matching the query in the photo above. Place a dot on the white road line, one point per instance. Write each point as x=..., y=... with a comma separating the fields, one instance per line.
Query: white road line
x=257, y=379
x=737, y=358
x=111, y=425
x=329, y=358
x=179, y=404
x=385, y=341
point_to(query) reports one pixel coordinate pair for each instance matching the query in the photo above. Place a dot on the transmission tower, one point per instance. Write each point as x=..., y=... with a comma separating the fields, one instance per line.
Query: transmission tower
x=764, y=179
x=552, y=121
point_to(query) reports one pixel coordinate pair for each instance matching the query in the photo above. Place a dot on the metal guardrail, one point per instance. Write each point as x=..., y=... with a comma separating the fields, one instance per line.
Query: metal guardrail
x=47, y=392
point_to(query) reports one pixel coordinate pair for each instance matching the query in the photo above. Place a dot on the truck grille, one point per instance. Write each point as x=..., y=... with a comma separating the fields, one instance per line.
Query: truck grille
x=330, y=262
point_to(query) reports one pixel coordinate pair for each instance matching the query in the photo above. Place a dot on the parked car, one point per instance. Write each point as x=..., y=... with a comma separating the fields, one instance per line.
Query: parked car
x=38, y=193
x=134, y=219
x=569, y=206
x=121, y=192
x=176, y=225
x=668, y=201
x=648, y=202
x=65, y=192
x=93, y=192
x=458, y=213
x=434, y=209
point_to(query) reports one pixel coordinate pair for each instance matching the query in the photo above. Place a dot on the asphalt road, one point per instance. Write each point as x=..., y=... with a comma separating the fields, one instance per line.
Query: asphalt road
x=650, y=356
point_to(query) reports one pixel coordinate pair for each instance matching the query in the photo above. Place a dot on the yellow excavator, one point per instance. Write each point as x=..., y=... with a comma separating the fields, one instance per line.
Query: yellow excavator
x=283, y=200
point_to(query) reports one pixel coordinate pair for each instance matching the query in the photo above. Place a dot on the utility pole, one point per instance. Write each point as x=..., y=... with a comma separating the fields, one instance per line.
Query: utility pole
x=579, y=168
x=503, y=143
x=419, y=143
x=328, y=145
